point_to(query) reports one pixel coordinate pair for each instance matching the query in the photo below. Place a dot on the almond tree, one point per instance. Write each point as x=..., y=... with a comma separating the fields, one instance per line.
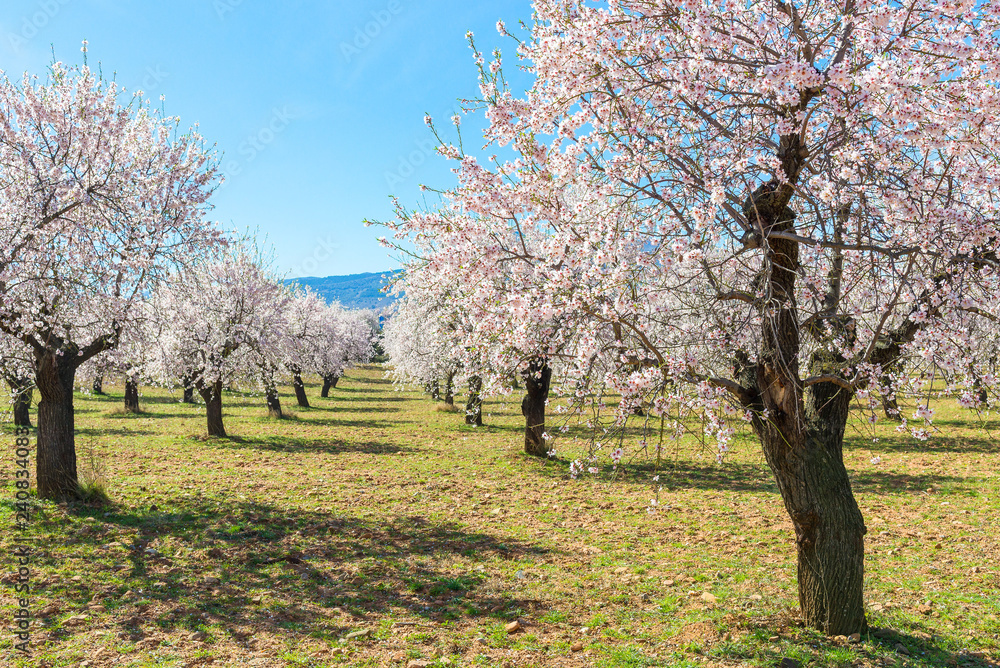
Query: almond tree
x=755, y=208
x=98, y=200
x=351, y=340
x=220, y=324
x=17, y=370
x=312, y=330
x=418, y=338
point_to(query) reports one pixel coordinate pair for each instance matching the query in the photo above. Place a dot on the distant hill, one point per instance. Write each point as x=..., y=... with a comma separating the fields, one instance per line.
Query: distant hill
x=357, y=291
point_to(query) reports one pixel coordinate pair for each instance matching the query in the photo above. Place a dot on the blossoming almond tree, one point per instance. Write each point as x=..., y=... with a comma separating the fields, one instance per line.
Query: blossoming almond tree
x=313, y=329
x=420, y=347
x=473, y=259
x=351, y=340
x=17, y=370
x=769, y=203
x=220, y=323
x=98, y=199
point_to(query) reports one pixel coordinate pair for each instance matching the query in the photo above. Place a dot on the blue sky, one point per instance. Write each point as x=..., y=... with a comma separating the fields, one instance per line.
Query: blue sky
x=319, y=121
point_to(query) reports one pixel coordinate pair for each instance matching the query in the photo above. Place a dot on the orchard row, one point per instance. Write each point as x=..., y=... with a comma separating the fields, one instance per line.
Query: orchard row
x=110, y=265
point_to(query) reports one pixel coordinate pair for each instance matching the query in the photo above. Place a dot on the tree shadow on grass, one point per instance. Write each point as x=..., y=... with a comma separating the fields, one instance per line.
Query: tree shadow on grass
x=198, y=562
x=282, y=443
x=809, y=647
x=741, y=477
x=356, y=423
x=357, y=409
x=169, y=399
x=936, y=443
x=365, y=397
x=104, y=431
x=149, y=415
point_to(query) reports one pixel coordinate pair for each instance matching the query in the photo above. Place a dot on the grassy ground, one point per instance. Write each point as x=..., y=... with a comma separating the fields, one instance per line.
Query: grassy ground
x=373, y=529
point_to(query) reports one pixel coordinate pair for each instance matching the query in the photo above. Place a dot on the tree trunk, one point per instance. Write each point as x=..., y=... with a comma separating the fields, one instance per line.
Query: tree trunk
x=436, y=390
x=188, y=390
x=22, y=391
x=336, y=379
x=327, y=384
x=132, y=394
x=829, y=529
x=98, y=387
x=474, y=406
x=802, y=430
x=273, y=402
x=887, y=354
x=300, y=391
x=982, y=396
x=56, y=462
x=212, y=394
x=536, y=377
x=449, y=390
x=890, y=406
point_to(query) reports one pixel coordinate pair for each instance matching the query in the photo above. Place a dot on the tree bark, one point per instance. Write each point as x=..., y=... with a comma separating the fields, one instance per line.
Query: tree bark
x=809, y=468
x=22, y=389
x=802, y=430
x=327, y=384
x=300, y=391
x=273, y=402
x=132, y=394
x=449, y=389
x=212, y=394
x=56, y=460
x=188, y=390
x=536, y=377
x=435, y=390
x=890, y=406
x=474, y=406
x=887, y=354
x=98, y=387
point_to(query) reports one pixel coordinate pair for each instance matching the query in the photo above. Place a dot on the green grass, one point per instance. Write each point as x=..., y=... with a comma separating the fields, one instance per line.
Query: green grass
x=374, y=512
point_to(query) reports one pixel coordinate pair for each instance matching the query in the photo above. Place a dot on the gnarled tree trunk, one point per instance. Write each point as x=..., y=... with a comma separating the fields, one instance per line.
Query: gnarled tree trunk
x=536, y=377
x=300, y=390
x=474, y=406
x=98, y=386
x=273, y=402
x=56, y=463
x=271, y=392
x=802, y=428
x=188, y=390
x=808, y=465
x=22, y=390
x=132, y=394
x=887, y=354
x=212, y=394
x=449, y=389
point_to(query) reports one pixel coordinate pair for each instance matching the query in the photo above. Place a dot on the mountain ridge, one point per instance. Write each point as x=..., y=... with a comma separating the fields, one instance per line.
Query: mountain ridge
x=353, y=291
